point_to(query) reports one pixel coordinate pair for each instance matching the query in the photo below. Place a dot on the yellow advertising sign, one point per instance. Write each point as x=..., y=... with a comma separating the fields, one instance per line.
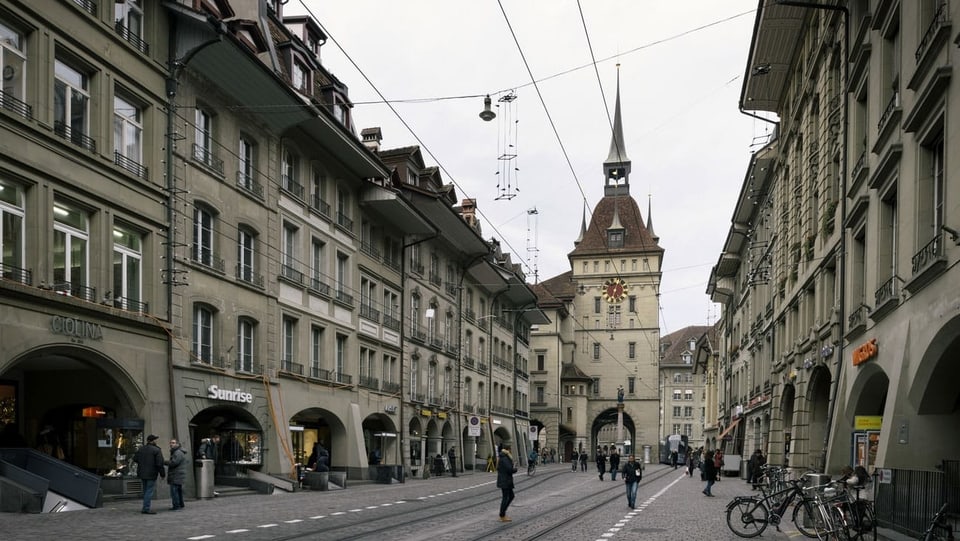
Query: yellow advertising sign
x=441, y=415
x=426, y=413
x=867, y=422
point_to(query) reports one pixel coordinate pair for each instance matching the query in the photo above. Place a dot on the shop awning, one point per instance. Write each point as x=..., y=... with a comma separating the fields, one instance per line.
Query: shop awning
x=729, y=428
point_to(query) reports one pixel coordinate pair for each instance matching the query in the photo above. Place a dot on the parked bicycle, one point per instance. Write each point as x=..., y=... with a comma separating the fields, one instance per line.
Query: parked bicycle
x=858, y=515
x=938, y=529
x=749, y=516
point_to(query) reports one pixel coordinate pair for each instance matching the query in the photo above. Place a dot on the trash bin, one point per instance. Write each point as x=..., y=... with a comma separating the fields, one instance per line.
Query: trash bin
x=384, y=474
x=204, y=472
x=814, y=479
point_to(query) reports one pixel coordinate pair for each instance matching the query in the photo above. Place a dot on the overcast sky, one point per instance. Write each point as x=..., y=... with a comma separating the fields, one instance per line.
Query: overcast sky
x=681, y=71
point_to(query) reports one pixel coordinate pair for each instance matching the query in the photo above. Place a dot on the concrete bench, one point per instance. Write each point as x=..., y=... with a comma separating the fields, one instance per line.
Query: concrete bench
x=321, y=480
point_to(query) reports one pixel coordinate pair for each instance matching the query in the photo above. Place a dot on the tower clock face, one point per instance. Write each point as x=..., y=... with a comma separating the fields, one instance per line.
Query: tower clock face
x=614, y=290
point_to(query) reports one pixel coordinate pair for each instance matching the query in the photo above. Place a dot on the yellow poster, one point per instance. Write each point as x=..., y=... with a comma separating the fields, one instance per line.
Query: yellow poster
x=867, y=422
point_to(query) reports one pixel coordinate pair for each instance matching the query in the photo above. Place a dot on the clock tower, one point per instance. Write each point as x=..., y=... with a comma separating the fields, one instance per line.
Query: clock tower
x=605, y=332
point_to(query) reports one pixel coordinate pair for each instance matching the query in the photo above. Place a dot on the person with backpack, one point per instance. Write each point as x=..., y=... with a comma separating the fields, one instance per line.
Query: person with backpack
x=632, y=474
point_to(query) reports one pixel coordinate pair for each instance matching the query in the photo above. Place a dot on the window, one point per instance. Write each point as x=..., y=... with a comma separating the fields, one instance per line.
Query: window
x=414, y=377
x=631, y=385
x=688, y=411
x=12, y=232
x=613, y=316
x=71, y=105
x=596, y=351
x=468, y=391
x=317, y=281
x=687, y=429
x=343, y=278
x=290, y=173
x=343, y=209
x=632, y=350
x=289, y=256
x=541, y=361
x=931, y=195
x=676, y=429
x=541, y=396
x=415, y=315
x=70, y=252
x=341, y=352
x=481, y=396
x=203, y=222
x=366, y=365
x=632, y=303
x=677, y=394
x=316, y=351
x=319, y=183
x=596, y=305
x=246, y=246
x=289, y=331
x=203, y=333
x=203, y=136
x=688, y=394
x=300, y=77
x=569, y=415
x=389, y=368
x=887, y=247
x=127, y=269
x=129, y=20
x=595, y=387
x=391, y=307
x=615, y=239
x=245, y=351
x=678, y=378
x=676, y=411
x=448, y=331
x=246, y=166
x=13, y=63
x=128, y=136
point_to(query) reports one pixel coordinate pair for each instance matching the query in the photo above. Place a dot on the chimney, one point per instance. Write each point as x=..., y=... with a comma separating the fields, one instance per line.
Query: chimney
x=371, y=138
x=468, y=211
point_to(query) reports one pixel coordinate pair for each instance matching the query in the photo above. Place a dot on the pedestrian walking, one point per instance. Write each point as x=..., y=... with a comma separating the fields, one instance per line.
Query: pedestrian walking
x=176, y=474
x=755, y=468
x=673, y=459
x=505, y=471
x=601, y=463
x=438, y=465
x=718, y=463
x=574, y=460
x=709, y=473
x=614, y=463
x=632, y=474
x=583, y=461
x=691, y=463
x=452, y=458
x=149, y=461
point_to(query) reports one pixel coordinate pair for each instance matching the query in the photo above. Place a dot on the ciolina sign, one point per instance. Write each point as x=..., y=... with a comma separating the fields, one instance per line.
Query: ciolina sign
x=235, y=395
x=76, y=328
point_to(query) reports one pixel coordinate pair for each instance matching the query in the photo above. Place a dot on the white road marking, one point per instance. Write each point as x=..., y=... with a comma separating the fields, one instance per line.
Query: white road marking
x=241, y=530
x=201, y=537
x=273, y=525
x=294, y=521
x=318, y=516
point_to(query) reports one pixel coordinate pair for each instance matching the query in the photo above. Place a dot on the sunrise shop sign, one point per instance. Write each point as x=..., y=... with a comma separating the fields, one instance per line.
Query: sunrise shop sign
x=865, y=352
x=236, y=395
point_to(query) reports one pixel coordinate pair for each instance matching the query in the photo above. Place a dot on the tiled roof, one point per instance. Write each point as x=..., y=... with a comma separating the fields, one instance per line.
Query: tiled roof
x=675, y=343
x=636, y=236
x=570, y=371
x=556, y=289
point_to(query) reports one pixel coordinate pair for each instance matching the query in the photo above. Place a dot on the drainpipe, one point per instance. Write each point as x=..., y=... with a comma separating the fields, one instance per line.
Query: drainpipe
x=171, y=187
x=842, y=318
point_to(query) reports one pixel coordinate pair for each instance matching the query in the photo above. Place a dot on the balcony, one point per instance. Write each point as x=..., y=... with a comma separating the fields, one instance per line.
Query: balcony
x=391, y=322
x=87, y=5
x=248, y=366
x=247, y=184
x=468, y=408
x=319, y=287
x=481, y=410
x=320, y=373
x=451, y=289
x=76, y=137
x=16, y=274
x=344, y=221
x=321, y=206
x=419, y=398
x=343, y=298
x=368, y=248
x=290, y=367
x=131, y=37
x=927, y=264
x=436, y=343
x=291, y=274
x=470, y=315
x=435, y=278
x=468, y=361
x=482, y=368
x=129, y=165
x=245, y=274
x=416, y=267
x=450, y=348
x=521, y=413
x=369, y=312
x=291, y=186
x=345, y=379
x=418, y=335
x=130, y=305
x=205, y=256
x=886, y=298
x=390, y=387
x=206, y=157
x=392, y=263
x=79, y=291
x=520, y=373
x=940, y=17
x=11, y=103
x=369, y=383
x=857, y=320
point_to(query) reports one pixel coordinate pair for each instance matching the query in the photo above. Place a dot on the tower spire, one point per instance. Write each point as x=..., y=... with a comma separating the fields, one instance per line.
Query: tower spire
x=616, y=168
x=650, y=217
x=583, y=226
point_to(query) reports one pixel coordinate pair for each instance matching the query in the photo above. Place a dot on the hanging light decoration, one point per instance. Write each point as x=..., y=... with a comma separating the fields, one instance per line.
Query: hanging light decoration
x=487, y=114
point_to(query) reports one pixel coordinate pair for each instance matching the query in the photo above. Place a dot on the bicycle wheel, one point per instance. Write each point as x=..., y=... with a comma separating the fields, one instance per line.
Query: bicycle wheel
x=839, y=524
x=807, y=520
x=866, y=521
x=747, y=517
x=531, y=469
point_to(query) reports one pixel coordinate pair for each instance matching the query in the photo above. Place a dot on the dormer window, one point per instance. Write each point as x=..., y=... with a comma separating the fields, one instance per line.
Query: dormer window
x=301, y=77
x=615, y=239
x=411, y=177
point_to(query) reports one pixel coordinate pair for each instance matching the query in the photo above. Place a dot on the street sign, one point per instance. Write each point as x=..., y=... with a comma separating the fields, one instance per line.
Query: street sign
x=473, y=426
x=532, y=432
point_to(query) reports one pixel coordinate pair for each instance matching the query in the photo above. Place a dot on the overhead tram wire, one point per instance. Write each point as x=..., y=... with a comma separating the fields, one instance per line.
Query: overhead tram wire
x=422, y=144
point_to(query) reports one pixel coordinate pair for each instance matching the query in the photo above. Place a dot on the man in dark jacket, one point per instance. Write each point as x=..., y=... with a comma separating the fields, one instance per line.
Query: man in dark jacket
x=452, y=458
x=176, y=474
x=632, y=473
x=614, y=463
x=149, y=461
x=505, y=471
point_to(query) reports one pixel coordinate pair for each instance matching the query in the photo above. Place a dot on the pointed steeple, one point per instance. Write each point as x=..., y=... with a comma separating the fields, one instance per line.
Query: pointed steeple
x=650, y=218
x=583, y=225
x=616, y=169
